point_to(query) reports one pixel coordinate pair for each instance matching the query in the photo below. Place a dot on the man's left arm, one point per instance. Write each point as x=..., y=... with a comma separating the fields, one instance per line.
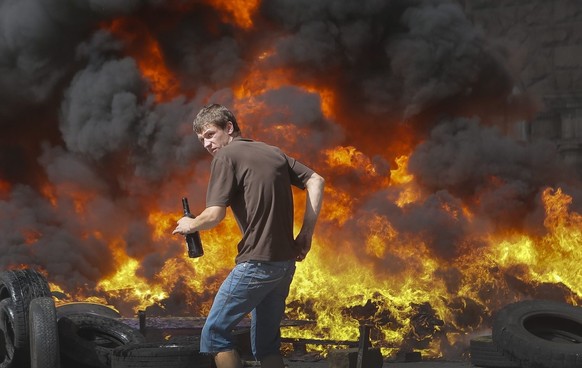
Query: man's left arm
x=314, y=199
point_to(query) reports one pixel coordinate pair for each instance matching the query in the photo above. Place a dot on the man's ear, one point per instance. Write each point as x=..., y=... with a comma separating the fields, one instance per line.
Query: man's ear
x=229, y=127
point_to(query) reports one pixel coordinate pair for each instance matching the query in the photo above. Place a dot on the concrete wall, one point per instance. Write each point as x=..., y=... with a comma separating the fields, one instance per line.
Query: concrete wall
x=547, y=38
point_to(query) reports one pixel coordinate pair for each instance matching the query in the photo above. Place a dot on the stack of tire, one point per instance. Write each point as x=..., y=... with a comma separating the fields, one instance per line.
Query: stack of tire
x=532, y=334
x=35, y=333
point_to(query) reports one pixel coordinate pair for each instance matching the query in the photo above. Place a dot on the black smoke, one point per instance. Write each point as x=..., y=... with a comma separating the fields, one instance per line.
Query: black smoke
x=81, y=125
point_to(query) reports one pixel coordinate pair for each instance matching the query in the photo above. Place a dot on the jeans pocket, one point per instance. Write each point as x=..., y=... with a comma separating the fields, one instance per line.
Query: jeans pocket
x=264, y=273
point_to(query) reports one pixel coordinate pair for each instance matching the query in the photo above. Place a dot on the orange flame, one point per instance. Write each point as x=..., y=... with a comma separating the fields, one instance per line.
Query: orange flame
x=355, y=263
x=146, y=50
x=4, y=188
x=400, y=176
x=239, y=11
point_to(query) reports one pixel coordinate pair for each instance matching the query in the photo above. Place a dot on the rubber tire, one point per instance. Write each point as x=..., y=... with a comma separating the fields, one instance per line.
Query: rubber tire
x=44, y=336
x=155, y=355
x=6, y=333
x=485, y=353
x=67, y=309
x=540, y=333
x=21, y=286
x=89, y=339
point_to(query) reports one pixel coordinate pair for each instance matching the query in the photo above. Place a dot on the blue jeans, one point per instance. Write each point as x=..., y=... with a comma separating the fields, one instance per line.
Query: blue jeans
x=259, y=288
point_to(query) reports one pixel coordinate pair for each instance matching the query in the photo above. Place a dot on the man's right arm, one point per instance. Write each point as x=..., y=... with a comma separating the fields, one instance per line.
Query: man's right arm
x=313, y=202
x=209, y=218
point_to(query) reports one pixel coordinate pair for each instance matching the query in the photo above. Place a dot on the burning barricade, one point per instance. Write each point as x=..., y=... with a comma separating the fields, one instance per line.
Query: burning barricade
x=36, y=333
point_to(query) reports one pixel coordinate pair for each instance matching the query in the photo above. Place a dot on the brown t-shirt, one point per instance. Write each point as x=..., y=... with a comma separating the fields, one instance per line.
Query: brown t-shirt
x=255, y=180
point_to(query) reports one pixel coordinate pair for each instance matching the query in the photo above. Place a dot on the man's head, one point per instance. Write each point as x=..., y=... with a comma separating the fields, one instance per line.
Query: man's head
x=215, y=127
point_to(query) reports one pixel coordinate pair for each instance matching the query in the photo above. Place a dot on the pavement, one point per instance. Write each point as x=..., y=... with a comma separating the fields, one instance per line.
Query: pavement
x=339, y=358
x=387, y=364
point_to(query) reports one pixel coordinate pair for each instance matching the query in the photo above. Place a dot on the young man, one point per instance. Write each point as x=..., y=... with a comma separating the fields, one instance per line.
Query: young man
x=255, y=180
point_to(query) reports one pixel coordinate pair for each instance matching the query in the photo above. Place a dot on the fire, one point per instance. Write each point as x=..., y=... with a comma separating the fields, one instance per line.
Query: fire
x=553, y=257
x=125, y=283
x=146, y=50
x=380, y=233
x=389, y=298
x=400, y=177
x=49, y=192
x=350, y=157
x=327, y=97
x=560, y=247
x=349, y=160
x=162, y=223
x=257, y=82
x=366, y=264
x=239, y=11
x=340, y=293
x=340, y=201
x=4, y=188
x=31, y=236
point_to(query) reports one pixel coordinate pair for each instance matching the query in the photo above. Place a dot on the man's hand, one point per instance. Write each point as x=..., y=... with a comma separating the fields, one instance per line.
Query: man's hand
x=208, y=219
x=303, y=242
x=185, y=225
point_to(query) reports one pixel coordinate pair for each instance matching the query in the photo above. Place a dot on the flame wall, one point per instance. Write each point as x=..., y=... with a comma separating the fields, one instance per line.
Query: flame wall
x=433, y=216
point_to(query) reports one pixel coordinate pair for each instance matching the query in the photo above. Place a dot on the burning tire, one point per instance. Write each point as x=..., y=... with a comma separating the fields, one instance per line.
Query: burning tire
x=21, y=287
x=44, y=337
x=540, y=333
x=485, y=353
x=6, y=333
x=88, y=339
x=154, y=355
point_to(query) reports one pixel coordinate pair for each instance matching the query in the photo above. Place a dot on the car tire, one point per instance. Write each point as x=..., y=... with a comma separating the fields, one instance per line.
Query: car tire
x=540, y=333
x=485, y=353
x=21, y=287
x=67, y=309
x=6, y=333
x=44, y=337
x=89, y=339
x=154, y=355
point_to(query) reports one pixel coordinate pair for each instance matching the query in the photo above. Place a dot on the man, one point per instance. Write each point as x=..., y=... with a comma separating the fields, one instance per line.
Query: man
x=255, y=180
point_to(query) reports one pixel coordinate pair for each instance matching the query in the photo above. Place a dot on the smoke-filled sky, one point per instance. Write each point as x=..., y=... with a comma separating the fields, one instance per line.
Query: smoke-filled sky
x=89, y=144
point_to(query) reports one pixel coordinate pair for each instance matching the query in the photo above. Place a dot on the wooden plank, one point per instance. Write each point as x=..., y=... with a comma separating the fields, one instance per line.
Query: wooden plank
x=299, y=341
x=196, y=323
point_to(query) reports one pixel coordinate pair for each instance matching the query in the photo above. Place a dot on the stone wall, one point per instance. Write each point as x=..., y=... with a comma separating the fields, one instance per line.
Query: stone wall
x=546, y=39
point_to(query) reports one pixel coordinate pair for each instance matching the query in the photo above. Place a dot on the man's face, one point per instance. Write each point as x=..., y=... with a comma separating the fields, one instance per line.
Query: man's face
x=213, y=138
